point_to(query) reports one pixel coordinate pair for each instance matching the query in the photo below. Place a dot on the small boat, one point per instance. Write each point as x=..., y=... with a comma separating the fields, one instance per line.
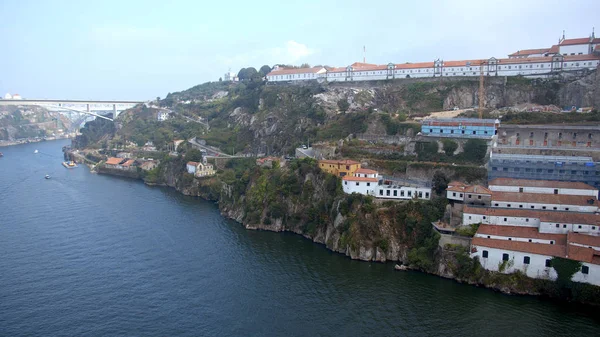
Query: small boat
x=36, y=151
x=47, y=176
x=69, y=164
x=1, y=154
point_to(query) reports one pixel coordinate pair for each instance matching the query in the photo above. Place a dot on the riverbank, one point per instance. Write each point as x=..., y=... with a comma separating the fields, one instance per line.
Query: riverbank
x=4, y=143
x=305, y=201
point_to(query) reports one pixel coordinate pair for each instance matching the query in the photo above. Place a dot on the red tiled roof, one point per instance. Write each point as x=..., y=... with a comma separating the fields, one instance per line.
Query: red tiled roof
x=556, y=199
x=192, y=163
x=477, y=189
x=456, y=183
x=287, y=71
x=583, y=40
x=540, y=183
x=553, y=49
x=530, y=52
x=525, y=247
x=597, y=48
x=583, y=254
x=129, y=163
x=544, y=216
x=415, y=65
x=583, y=239
x=351, y=178
x=113, y=161
x=520, y=232
x=456, y=189
x=366, y=171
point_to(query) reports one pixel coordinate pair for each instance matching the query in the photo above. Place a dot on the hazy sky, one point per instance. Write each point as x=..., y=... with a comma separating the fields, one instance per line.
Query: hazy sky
x=131, y=49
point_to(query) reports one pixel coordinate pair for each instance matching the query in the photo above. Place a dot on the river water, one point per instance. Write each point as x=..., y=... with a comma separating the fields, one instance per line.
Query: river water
x=92, y=255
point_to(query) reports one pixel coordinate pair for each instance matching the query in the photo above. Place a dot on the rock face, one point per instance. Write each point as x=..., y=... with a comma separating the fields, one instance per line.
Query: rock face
x=18, y=122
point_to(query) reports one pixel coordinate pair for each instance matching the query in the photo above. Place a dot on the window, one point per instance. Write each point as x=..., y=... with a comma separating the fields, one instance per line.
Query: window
x=554, y=208
x=505, y=257
x=579, y=226
x=557, y=225
x=574, y=135
x=395, y=193
x=410, y=193
x=589, y=136
x=564, y=226
x=520, y=189
x=532, y=207
x=530, y=240
x=357, y=183
x=543, y=207
x=556, y=191
x=484, y=219
x=387, y=193
x=551, y=242
x=531, y=135
x=526, y=260
x=508, y=205
x=368, y=184
x=509, y=239
x=401, y=193
x=484, y=254
x=548, y=263
x=453, y=194
x=505, y=219
x=345, y=183
x=478, y=197
x=380, y=192
x=496, y=205
x=526, y=220
x=347, y=167
x=560, y=135
x=585, y=270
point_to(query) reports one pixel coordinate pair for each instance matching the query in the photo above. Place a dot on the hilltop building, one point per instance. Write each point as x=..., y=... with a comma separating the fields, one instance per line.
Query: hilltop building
x=460, y=127
x=568, y=55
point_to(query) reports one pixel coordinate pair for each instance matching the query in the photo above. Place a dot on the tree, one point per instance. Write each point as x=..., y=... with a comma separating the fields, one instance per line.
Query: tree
x=220, y=79
x=475, y=150
x=242, y=74
x=305, y=65
x=157, y=99
x=343, y=104
x=449, y=146
x=440, y=182
x=264, y=70
x=193, y=155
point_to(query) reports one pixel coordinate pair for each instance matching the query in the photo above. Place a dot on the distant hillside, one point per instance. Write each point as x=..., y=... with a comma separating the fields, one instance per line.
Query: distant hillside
x=18, y=122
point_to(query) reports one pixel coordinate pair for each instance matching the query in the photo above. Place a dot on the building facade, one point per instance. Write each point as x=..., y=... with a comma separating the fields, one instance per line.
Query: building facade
x=544, y=167
x=460, y=127
x=339, y=168
x=560, y=137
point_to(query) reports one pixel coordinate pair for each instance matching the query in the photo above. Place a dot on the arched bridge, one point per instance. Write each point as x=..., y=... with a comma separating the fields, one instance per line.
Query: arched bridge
x=90, y=107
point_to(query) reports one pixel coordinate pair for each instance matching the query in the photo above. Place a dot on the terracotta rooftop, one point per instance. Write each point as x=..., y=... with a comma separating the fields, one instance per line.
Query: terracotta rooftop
x=553, y=49
x=478, y=189
x=530, y=52
x=113, y=161
x=520, y=232
x=556, y=199
x=366, y=171
x=578, y=253
x=288, y=71
x=525, y=247
x=540, y=183
x=351, y=178
x=129, y=163
x=583, y=40
x=584, y=239
x=192, y=163
x=456, y=183
x=544, y=216
x=456, y=189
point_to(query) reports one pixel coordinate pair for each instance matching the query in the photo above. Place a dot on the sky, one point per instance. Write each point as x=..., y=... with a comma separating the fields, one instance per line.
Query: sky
x=138, y=50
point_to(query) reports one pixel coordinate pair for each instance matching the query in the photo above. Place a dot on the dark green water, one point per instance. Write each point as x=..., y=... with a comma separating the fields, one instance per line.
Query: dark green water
x=92, y=255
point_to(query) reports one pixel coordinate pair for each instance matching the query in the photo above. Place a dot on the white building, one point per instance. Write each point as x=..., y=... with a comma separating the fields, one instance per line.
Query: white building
x=8, y=96
x=280, y=74
x=191, y=167
x=542, y=186
x=555, y=202
x=204, y=170
x=230, y=77
x=550, y=222
x=16, y=96
x=510, y=249
x=367, y=182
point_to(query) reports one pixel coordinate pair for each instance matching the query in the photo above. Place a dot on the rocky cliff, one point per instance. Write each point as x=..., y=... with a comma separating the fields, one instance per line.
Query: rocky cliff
x=18, y=122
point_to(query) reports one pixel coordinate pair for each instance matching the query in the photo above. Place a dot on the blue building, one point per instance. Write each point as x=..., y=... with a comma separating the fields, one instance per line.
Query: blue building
x=460, y=127
x=539, y=167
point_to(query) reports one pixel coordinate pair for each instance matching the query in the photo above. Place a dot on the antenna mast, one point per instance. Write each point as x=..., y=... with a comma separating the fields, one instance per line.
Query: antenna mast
x=364, y=54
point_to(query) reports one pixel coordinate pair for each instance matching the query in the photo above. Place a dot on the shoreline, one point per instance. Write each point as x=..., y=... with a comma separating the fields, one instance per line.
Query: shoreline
x=6, y=143
x=444, y=258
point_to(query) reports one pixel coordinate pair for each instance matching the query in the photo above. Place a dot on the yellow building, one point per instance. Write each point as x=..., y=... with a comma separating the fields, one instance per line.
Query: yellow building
x=339, y=167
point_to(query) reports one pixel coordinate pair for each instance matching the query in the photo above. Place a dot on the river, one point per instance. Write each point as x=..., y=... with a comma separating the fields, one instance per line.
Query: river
x=83, y=254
